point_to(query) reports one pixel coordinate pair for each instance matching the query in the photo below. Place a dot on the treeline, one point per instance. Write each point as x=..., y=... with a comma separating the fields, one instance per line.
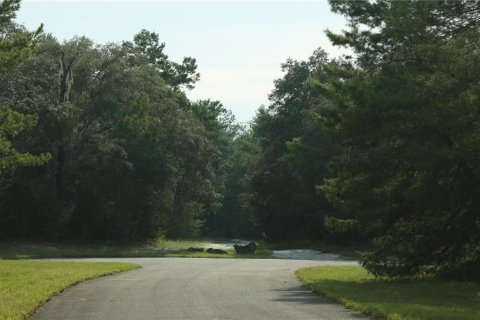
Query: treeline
x=382, y=145
x=100, y=143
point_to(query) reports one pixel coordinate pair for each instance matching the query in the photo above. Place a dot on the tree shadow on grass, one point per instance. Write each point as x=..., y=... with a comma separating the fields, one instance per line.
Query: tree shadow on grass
x=419, y=298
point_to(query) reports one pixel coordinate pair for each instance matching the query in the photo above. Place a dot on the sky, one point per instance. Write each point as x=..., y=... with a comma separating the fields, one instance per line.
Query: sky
x=239, y=45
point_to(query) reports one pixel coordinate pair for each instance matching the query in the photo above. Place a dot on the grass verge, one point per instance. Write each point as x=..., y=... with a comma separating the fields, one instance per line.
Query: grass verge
x=26, y=285
x=159, y=248
x=416, y=299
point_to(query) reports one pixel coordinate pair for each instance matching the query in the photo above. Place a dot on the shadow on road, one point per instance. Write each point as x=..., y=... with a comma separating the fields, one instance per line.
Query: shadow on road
x=299, y=294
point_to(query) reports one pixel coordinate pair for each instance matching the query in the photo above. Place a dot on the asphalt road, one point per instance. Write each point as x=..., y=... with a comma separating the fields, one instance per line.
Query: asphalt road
x=182, y=288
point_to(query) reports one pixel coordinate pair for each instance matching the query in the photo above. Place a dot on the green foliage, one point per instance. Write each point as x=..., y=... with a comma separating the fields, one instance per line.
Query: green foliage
x=294, y=152
x=236, y=217
x=406, y=119
x=146, y=48
x=11, y=125
x=384, y=144
x=339, y=225
x=130, y=160
x=8, y=10
x=235, y=149
x=387, y=137
x=16, y=44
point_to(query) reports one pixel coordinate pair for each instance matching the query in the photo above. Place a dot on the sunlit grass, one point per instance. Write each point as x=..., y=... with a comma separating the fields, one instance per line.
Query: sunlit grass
x=180, y=244
x=156, y=248
x=416, y=299
x=25, y=285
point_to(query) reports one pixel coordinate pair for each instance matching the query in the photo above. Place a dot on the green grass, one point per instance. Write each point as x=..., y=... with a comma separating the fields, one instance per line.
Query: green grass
x=181, y=244
x=419, y=299
x=26, y=285
x=157, y=248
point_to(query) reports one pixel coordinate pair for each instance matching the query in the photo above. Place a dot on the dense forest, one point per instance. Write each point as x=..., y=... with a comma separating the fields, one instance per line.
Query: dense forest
x=99, y=143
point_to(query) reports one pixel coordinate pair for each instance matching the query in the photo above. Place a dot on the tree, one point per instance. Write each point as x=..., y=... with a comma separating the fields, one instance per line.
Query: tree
x=147, y=48
x=235, y=150
x=236, y=217
x=406, y=118
x=130, y=158
x=294, y=153
x=11, y=125
x=15, y=46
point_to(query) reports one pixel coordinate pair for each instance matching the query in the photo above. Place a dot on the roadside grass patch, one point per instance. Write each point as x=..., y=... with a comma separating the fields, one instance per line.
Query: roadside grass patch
x=157, y=248
x=180, y=244
x=415, y=299
x=26, y=285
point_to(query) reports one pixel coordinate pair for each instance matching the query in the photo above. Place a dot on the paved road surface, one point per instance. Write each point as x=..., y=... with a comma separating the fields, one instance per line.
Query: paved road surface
x=182, y=288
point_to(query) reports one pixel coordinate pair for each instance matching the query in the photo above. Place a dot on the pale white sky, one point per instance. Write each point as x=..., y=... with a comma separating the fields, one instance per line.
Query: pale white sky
x=239, y=45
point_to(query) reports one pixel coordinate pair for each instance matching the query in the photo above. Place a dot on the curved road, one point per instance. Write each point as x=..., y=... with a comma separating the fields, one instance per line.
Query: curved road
x=183, y=288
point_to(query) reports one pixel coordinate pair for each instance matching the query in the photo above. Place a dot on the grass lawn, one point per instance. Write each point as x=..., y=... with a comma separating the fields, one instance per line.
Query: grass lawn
x=25, y=285
x=157, y=248
x=395, y=299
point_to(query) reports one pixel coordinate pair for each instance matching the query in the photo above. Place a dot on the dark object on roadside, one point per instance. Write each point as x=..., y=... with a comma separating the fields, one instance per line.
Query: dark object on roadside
x=193, y=249
x=249, y=248
x=216, y=251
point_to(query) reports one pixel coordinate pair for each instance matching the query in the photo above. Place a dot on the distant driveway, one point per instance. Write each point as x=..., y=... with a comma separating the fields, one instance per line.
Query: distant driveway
x=186, y=288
